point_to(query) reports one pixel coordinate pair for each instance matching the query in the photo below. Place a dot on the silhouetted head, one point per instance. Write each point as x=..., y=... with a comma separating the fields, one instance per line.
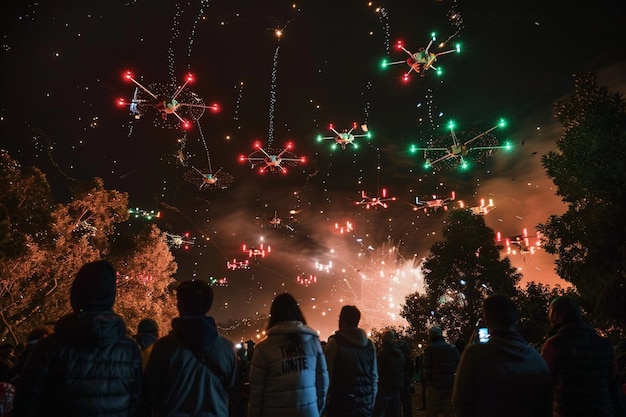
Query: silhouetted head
x=194, y=298
x=499, y=312
x=434, y=333
x=564, y=309
x=389, y=337
x=285, y=308
x=349, y=317
x=148, y=326
x=94, y=287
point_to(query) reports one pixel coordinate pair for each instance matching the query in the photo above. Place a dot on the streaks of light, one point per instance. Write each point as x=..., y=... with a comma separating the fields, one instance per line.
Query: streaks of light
x=238, y=103
x=192, y=34
x=175, y=33
x=270, y=135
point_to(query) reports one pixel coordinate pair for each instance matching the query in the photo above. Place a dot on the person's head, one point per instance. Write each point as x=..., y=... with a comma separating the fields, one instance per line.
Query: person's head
x=435, y=333
x=563, y=309
x=148, y=326
x=349, y=317
x=285, y=308
x=7, y=351
x=94, y=287
x=499, y=312
x=37, y=334
x=194, y=298
x=389, y=337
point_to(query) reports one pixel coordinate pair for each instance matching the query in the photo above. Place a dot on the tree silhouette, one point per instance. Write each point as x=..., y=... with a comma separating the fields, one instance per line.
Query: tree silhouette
x=589, y=171
x=459, y=272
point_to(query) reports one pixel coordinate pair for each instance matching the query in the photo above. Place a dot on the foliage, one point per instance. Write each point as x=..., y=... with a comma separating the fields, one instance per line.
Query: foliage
x=459, y=271
x=532, y=304
x=589, y=170
x=146, y=273
x=43, y=244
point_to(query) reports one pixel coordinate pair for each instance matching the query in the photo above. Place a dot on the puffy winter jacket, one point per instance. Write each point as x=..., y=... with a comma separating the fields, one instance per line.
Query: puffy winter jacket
x=88, y=367
x=353, y=371
x=288, y=375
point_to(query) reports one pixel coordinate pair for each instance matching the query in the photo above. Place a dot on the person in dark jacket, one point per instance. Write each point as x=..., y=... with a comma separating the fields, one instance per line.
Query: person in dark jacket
x=190, y=371
x=504, y=376
x=147, y=334
x=391, y=366
x=352, y=368
x=88, y=366
x=582, y=364
x=406, y=394
x=439, y=363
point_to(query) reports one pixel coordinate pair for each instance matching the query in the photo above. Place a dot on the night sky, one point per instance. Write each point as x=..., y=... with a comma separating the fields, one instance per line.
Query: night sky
x=63, y=69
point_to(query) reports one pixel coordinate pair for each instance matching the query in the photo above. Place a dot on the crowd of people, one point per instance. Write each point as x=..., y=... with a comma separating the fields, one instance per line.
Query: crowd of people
x=89, y=364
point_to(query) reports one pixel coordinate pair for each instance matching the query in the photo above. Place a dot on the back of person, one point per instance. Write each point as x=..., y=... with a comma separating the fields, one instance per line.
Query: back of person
x=288, y=373
x=88, y=366
x=440, y=362
x=391, y=365
x=354, y=376
x=580, y=360
x=582, y=364
x=504, y=376
x=180, y=380
x=190, y=371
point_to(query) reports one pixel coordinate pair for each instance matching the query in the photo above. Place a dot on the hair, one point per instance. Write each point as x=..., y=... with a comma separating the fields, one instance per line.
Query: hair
x=566, y=308
x=389, y=337
x=500, y=311
x=349, y=316
x=285, y=308
x=194, y=298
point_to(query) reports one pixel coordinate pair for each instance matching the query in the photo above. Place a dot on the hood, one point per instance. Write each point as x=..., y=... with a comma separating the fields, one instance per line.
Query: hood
x=196, y=332
x=511, y=344
x=90, y=329
x=145, y=339
x=356, y=336
x=290, y=328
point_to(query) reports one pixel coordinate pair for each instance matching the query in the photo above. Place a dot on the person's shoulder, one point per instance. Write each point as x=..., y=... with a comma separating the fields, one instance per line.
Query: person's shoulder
x=225, y=340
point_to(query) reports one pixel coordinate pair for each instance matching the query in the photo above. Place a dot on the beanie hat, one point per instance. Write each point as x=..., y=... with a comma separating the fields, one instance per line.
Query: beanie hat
x=147, y=326
x=94, y=287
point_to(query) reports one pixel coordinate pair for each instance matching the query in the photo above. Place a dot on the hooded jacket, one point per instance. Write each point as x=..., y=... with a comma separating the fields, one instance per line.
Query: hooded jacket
x=288, y=374
x=189, y=371
x=353, y=372
x=503, y=377
x=88, y=367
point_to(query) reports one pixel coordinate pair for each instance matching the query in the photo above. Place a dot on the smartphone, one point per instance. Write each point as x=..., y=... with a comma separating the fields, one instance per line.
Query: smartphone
x=483, y=334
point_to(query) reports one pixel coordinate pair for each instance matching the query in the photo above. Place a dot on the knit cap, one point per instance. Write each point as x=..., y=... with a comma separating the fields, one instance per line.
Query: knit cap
x=94, y=287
